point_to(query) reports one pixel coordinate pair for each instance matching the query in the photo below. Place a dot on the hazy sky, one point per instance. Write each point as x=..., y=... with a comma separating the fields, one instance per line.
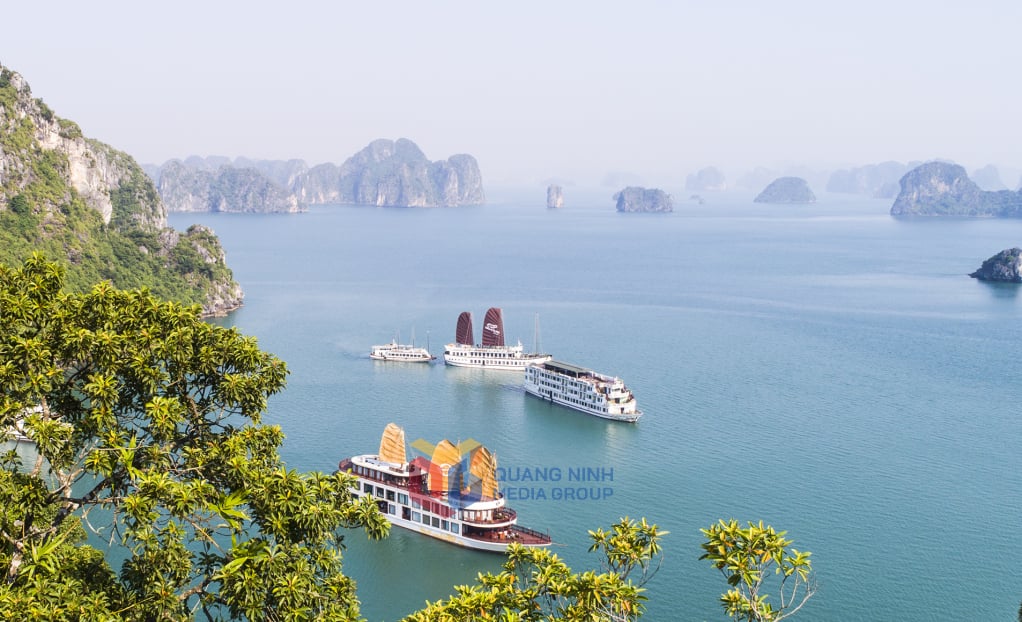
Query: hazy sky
x=535, y=90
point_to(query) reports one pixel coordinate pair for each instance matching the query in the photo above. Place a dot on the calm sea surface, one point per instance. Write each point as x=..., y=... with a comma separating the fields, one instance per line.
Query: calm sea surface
x=826, y=369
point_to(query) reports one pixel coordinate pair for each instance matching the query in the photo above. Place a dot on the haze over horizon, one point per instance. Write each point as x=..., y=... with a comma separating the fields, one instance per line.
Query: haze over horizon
x=573, y=91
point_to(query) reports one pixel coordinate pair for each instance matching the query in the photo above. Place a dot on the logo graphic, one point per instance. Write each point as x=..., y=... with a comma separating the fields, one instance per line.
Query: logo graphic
x=466, y=472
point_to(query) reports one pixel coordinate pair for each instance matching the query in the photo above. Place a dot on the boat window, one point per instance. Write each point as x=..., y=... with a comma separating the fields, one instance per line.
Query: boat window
x=425, y=519
x=436, y=521
x=390, y=495
x=379, y=492
x=367, y=488
x=444, y=525
x=454, y=528
x=416, y=516
x=390, y=508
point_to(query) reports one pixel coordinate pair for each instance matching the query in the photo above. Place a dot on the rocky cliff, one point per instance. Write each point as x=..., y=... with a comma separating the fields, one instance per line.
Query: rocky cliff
x=1004, y=266
x=554, y=196
x=944, y=189
x=93, y=208
x=786, y=190
x=228, y=189
x=395, y=174
x=636, y=199
x=709, y=179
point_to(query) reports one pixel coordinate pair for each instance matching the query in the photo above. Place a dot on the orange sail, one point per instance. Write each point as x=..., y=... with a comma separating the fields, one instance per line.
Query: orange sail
x=446, y=457
x=483, y=468
x=392, y=444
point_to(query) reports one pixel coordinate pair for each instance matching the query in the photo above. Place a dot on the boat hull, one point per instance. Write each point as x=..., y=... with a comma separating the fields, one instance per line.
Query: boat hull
x=554, y=399
x=400, y=353
x=583, y=390
x=509, y=358
x=492, y=546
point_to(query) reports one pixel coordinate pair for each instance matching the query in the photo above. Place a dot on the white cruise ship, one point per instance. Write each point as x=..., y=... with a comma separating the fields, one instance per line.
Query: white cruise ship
x=450, y=496
x=492, y=353
x=582, y=389
x=401, y=352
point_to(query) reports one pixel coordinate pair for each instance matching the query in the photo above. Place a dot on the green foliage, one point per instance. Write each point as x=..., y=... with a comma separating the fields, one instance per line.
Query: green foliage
x=47, y=214
x=69, y=129
x=146, y=424
x=128, y=198
x=745, y=556
x=536, y=585
x=20, y=205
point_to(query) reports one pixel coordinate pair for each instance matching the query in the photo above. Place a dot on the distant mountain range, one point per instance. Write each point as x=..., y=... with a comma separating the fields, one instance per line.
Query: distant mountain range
x=384, y=173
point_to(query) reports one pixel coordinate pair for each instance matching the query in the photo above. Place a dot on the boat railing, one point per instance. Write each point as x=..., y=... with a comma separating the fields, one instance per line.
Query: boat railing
x=512, y=533
x=538, y=535
x=499, y=516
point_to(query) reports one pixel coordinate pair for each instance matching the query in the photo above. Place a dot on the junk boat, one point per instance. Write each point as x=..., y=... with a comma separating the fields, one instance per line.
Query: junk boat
x=582, y=389
x=493, y=353
x=451, y=496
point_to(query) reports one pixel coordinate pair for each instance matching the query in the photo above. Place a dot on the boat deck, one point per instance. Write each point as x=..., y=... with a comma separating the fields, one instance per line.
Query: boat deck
x=514, y=533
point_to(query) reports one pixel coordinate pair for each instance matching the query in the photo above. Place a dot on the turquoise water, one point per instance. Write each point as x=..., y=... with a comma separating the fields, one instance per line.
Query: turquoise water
x=827, y=369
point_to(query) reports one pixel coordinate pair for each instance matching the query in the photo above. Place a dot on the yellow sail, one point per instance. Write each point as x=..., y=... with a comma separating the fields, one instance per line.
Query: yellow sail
x=446, y=456
x=392, y=445
x=483, y=468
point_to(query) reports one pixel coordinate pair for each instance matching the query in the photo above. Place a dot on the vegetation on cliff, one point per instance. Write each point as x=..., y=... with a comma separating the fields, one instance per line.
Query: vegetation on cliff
x=92, y=208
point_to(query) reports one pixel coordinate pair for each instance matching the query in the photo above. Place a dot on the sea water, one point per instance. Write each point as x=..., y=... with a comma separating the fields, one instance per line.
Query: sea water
x=827, y=369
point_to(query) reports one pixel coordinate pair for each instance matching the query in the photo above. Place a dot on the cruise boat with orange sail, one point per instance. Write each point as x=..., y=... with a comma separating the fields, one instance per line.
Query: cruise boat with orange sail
x=453, y=495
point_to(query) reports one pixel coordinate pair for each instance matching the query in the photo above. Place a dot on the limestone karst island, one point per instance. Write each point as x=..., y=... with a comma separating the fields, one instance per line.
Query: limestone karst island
x=386, y=173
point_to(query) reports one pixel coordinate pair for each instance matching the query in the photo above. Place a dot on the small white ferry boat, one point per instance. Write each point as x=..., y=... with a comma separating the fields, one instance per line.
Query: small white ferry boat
x=451, y=496
x=582, y=389
x=402, y=352
x=492, y=353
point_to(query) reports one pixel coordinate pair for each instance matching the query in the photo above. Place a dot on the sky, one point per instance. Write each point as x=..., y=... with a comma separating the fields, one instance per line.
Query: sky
x=536, y=91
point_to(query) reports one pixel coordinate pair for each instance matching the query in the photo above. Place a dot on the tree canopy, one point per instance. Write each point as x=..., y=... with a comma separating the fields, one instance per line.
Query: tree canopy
x=146, y=425
x=747, y=556
x=146, y=433
x=537, y=585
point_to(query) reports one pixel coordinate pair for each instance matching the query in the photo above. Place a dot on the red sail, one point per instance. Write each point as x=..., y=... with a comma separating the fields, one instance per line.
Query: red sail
x=493, y=328
x=464, y=333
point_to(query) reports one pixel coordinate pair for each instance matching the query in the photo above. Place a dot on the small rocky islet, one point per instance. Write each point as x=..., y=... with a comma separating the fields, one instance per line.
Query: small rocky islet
x=790, y=190
x=638, y=199
x=554, y=196
x=1004, y=267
